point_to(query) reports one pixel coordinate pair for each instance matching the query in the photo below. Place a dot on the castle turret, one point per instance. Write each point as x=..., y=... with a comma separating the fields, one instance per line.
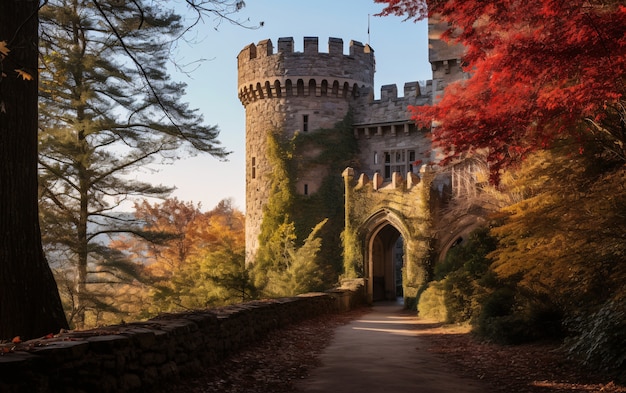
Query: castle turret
x=290, y=91
x=444, y=56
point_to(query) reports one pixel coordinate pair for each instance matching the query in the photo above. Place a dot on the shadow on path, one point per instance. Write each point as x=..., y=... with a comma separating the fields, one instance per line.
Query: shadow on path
x=381, y=352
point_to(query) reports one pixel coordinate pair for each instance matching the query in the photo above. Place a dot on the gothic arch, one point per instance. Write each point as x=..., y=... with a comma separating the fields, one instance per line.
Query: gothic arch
x=456, y=231
x=380, y=233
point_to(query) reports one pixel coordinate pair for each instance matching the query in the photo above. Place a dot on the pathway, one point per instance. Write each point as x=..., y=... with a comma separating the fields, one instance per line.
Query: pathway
x=383, y=352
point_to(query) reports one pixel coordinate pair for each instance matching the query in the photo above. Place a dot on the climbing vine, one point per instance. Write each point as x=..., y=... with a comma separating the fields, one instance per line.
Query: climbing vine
x=336, y=149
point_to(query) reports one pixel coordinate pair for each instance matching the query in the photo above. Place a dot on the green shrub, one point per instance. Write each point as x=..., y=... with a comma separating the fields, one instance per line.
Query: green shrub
x=510, y=315
x=431, y=303
x=459, y=294
x=459, y=276
x=599, y=338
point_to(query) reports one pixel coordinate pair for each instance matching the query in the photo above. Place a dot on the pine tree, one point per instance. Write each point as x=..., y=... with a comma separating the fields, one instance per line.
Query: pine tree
x=107, y=109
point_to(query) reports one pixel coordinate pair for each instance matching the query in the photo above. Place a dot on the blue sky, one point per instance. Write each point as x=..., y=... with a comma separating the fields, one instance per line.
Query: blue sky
x=401, y=51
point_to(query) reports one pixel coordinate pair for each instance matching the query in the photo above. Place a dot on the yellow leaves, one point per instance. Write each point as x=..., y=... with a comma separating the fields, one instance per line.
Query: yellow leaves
x=21, y=73
x=4, y=50
x=25, y=75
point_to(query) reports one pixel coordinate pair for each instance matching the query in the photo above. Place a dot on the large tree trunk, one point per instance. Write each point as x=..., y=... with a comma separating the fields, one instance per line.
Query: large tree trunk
x=30, y=305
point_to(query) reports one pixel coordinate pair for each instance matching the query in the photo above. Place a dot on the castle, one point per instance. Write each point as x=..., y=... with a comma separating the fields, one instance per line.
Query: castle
x=393, y=197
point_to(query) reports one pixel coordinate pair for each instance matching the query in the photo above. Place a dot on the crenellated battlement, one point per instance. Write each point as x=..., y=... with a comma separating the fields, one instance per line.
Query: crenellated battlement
x=286, y=46
x=266, y=74
x=391, y=108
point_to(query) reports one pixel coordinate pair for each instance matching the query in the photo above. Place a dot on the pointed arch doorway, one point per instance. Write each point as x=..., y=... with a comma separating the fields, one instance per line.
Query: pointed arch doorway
x=386, y=263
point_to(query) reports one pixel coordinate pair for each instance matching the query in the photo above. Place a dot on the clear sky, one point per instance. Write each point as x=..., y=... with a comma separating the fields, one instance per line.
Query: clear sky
x=400, y=49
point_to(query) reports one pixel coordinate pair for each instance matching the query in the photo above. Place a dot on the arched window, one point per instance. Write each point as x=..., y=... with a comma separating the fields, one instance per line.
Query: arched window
x=312, y=87
x=324, y=88
x=300, y=87
x=355, y=90
x=288, y=88
x=335, y=92
x=277, y=88
x=268, y=89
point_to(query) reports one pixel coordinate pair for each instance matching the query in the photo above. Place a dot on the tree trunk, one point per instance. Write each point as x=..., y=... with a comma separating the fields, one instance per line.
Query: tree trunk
x=30, y=305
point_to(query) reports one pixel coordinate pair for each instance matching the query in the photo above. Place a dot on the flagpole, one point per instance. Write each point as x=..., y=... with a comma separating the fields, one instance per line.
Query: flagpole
x=368, y=29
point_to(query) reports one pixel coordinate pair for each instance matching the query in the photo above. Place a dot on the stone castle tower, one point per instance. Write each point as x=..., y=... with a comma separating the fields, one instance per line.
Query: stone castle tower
x=293, y=91
x=304, y=91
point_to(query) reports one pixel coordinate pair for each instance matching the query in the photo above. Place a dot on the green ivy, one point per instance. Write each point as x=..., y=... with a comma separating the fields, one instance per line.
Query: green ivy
x=337, y=149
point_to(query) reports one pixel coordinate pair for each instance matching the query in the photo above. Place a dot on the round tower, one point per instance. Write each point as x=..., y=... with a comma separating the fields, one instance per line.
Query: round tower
x=291, y=91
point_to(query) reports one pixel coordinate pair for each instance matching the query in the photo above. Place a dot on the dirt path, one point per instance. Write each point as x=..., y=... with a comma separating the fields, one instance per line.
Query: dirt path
x=293, y=359
x=383, y=352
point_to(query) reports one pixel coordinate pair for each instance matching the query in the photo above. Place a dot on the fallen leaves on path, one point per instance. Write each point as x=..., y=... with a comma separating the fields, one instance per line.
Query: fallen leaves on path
x=528, y=368
x=274, y=365
x=286, y=356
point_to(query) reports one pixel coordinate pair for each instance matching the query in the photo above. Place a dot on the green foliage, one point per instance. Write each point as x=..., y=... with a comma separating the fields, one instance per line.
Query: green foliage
x=431, y=303
x=471, y=257
x=277, y=211
x=353, y=265
x=459, y=277
x=600, y=337
x=294, y=215
x=215, y=279
x=336, y=149
x=299, y=269
x=107, y=109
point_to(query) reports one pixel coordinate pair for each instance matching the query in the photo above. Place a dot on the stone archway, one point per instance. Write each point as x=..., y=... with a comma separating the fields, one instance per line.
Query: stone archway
x=457, y=231
x=384, y=236
x=383, y=264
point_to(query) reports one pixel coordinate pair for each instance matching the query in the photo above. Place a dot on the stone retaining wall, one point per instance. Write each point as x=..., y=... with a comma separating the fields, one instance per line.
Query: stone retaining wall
x=134, y=356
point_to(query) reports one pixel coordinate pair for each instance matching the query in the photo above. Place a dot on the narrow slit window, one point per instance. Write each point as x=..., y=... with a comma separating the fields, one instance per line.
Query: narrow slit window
x=305, y=123
x=253, y=168
x=306, y=189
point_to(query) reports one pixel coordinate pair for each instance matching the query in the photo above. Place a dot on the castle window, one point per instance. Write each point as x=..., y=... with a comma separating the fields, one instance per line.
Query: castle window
x=324, y=88
x=306, y=189
x=277, y=89
x=268, y=89
x=300, y=87
x=375, y=158
x=387, y=165
x=305, y=123
x=312, y=88
x=400, y=161
x=253, y=168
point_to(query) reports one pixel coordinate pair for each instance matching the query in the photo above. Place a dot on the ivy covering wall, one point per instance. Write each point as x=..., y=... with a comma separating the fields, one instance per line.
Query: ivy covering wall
x=336, y=149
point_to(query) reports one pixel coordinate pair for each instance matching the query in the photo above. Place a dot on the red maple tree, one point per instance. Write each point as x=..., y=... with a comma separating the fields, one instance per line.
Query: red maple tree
x=539, y=70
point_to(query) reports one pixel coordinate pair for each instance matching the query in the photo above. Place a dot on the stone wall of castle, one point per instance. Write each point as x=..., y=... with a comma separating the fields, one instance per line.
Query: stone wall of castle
x=389, y=140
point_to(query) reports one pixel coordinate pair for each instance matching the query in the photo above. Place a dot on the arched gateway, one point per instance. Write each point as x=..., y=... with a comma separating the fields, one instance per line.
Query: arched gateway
x=388, y=233
x=383, y=233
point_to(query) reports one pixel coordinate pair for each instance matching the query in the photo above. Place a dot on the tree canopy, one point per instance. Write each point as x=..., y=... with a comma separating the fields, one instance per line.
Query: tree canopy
x=539, y=71
x=192, y=259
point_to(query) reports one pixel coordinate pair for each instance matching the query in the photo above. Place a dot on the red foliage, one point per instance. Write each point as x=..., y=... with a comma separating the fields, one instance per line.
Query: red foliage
x=539, y=70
